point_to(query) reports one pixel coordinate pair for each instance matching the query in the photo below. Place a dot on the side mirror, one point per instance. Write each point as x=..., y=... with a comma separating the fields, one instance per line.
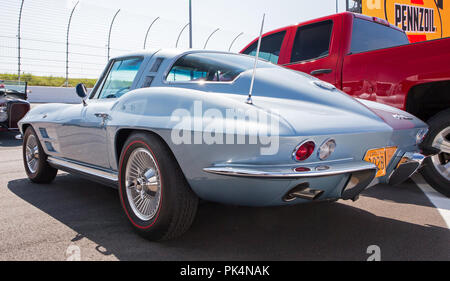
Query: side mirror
x=81, y=90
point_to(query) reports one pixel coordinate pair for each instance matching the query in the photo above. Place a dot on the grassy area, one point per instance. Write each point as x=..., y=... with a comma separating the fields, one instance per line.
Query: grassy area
x=51, y=81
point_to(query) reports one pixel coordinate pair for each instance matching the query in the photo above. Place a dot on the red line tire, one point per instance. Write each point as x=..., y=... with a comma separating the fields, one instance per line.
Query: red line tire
x=177, y=202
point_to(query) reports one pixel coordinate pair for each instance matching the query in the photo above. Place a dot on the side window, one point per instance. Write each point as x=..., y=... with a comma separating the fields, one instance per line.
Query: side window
x=270, y=47
x=312, y=41
x=182, y=73
x=120, y=78
x=209, y=67
x=368, y=36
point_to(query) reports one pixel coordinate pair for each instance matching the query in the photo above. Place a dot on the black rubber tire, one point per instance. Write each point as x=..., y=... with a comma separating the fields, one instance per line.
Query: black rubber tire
x=437, y=123
x=44, y=172
x=178, y=203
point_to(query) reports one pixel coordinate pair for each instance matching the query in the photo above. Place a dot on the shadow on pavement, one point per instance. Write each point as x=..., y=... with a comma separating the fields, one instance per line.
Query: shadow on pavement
x=8, y=139
x=322, y=231
x=404, y=193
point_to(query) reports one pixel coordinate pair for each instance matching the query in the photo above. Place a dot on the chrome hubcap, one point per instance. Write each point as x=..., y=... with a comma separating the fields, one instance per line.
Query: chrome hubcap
x=442, y=161
x=143, y=184
x=32, y=154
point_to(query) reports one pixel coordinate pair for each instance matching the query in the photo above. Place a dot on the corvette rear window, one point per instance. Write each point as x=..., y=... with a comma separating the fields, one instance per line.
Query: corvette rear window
x=212, y=67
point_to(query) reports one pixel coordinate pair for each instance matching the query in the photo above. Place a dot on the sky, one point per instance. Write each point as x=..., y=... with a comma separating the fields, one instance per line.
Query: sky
x=233, y=14
x=44, y=28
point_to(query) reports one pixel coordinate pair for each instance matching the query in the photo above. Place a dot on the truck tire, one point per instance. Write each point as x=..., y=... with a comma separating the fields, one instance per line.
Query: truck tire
x=35, y=160
x=153, y=191
x=436, y=169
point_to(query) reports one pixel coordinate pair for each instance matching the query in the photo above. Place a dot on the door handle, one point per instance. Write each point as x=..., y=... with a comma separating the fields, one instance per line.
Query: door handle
x=102, y=115
x=321, y=71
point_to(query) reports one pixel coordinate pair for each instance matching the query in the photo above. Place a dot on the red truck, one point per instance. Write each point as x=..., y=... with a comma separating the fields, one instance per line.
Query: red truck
x=370, y=59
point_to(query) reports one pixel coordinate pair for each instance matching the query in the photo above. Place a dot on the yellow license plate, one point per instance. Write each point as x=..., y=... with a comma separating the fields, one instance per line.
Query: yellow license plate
x=381, y=158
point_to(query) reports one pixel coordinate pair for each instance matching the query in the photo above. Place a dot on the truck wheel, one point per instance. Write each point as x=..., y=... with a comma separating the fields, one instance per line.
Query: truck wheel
x=153, y=191
x=436, y=169
x=35, y=160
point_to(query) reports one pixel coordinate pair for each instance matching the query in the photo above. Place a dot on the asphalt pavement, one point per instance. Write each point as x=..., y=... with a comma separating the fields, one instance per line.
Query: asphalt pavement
x=73, y=217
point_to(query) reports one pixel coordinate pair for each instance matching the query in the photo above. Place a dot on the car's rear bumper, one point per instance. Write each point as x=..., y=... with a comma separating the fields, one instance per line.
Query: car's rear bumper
x=409, y=163
x=288, y=171
x=320, y=182
x=314, y=182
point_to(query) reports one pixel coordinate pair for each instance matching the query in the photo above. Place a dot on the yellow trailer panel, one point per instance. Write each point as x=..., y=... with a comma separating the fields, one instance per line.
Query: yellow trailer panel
x=421, y=19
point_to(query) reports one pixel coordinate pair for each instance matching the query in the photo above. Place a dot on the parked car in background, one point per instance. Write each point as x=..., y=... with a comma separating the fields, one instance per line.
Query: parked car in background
x=13, y=104
x=168, y=127
x=370, y=59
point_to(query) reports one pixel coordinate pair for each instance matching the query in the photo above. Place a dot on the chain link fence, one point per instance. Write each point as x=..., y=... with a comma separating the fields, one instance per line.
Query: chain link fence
x=75, y=39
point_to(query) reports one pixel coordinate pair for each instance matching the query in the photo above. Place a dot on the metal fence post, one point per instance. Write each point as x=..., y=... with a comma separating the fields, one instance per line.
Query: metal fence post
x=110, y=29
x=67, y=45
x=209, y=37
x=234, y=40
x=18, y=40
x=179, y=35
x=190, y=24
x=146, y=34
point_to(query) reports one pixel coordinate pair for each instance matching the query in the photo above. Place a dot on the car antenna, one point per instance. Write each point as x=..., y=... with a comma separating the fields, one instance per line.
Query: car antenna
x=249, y=99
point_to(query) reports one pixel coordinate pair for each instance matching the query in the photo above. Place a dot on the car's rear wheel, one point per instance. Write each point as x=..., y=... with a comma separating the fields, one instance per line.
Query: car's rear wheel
x=35, y=160
x=436, y=170
x=154, y=194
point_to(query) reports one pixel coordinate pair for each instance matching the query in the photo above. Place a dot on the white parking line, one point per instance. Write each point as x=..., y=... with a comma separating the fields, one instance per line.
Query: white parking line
x=441, y=202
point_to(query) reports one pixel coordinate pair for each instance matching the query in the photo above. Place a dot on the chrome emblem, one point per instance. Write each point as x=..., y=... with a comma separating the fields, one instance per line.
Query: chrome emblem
x=324, y=85
x=401, y=117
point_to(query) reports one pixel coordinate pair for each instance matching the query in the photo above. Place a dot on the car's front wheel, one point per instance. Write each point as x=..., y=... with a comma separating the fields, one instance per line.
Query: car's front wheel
x=436, y=170
x=35, y=160
x=154, y=194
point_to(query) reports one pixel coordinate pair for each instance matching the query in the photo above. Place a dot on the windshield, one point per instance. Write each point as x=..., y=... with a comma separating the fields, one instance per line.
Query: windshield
x=13, y=87
x=215, y=67
x=120, y=78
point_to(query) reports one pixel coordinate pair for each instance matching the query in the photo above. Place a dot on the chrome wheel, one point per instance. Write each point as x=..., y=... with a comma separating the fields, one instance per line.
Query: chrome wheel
x=32, y=154
x=143, y=184
x=441, y=161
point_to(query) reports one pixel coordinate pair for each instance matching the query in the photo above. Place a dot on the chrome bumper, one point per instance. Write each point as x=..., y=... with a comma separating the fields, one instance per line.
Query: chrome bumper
x=406, y=167
x=361, y=175
x=288, y=172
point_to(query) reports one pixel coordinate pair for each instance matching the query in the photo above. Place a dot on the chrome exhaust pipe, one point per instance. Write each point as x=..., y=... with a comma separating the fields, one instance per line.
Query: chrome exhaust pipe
x=302, y=191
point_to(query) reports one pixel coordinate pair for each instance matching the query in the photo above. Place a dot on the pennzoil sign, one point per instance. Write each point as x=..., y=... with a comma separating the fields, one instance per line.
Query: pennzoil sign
x=414, y=19
x=420, y=19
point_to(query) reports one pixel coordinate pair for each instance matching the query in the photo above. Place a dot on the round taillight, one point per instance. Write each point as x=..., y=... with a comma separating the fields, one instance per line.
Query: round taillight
x=304, y=151
x=326, y=149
